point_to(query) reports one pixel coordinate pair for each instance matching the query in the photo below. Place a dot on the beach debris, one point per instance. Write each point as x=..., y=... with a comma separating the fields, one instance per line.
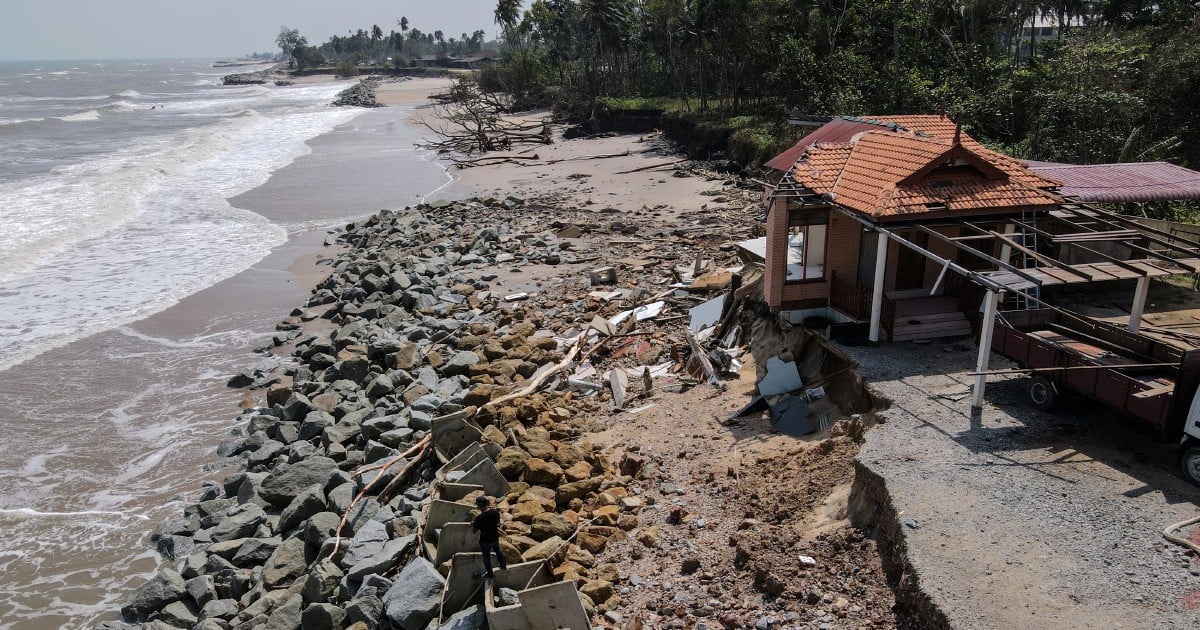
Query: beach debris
x=603, y=275
x=619, y=381
x=790, y=416
x=707, y=314
x=516, y=297
x=781, y=378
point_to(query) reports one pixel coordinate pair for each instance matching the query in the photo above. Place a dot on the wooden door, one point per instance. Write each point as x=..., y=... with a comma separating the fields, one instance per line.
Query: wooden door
x=910, y=265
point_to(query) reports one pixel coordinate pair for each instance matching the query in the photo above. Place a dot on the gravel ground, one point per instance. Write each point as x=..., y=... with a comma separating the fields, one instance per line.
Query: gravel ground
x=1022, y=518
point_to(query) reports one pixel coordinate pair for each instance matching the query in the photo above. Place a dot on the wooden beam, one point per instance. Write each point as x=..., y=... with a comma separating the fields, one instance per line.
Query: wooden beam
x=1145, y=232
x=1120, y=263
x=971, y=250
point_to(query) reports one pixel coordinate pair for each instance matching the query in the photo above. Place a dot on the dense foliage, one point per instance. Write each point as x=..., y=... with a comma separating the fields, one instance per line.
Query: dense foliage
x=374, y=47
x=1064, y=80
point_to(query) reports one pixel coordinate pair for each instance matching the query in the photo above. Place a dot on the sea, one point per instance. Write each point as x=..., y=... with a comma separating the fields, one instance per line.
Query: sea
x=153, y=224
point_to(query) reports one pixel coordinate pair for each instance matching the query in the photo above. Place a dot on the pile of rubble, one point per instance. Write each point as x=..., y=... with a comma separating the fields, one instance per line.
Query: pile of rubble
x=361, y=94
x=323, y=526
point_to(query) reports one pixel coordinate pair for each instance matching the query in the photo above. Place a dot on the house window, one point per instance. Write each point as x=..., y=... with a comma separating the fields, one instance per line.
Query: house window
x=806, y=245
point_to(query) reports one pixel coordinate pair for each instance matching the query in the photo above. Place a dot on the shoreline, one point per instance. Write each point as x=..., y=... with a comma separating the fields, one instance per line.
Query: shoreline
x=219, y=325
x=558, y=221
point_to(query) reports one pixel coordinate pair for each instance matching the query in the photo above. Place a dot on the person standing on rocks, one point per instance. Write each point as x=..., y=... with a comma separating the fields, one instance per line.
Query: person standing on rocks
x=488, y=526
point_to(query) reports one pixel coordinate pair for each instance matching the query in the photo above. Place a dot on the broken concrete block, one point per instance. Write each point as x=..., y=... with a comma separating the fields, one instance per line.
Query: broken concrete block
x=781, y=378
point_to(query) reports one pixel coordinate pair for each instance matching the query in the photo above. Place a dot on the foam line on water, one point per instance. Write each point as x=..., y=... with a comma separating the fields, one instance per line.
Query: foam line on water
x=43, y=514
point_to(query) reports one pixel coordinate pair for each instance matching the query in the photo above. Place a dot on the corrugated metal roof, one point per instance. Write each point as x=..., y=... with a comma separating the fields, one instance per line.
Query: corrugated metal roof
x=1123, y=182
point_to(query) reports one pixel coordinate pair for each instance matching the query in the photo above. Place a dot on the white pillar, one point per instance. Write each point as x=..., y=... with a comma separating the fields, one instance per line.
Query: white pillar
x=881, y=247
x=985, y=346
x=1139, y=303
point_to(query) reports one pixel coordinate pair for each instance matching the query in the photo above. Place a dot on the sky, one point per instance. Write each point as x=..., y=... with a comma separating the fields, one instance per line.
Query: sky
x=38, y=30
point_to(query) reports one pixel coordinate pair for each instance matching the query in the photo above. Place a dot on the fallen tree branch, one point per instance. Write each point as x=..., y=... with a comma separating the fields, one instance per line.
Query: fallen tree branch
x=419, y=446
x=590, y=157
x=653, y=166
x=540, y=380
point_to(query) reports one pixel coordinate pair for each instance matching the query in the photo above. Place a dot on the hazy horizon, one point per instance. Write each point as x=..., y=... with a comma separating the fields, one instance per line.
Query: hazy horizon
x=82, y=30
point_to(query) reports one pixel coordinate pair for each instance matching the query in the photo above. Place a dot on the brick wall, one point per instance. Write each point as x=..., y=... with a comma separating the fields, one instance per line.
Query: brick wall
x=775, y=271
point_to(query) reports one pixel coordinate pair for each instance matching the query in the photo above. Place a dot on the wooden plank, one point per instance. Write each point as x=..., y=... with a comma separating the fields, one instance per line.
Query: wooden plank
x=1157, y=390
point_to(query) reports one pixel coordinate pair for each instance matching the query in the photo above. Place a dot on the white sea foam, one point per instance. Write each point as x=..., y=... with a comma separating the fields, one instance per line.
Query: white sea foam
x=128, y=94
x=38, y=513
x=87, y=116
x=97, y=245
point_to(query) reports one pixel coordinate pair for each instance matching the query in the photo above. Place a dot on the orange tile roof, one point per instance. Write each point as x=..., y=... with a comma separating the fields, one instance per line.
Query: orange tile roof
x=896, y=173
x=943, y=128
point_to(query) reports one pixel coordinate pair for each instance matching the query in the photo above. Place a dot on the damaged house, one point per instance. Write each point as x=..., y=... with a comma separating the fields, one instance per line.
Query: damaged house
x=912, y=227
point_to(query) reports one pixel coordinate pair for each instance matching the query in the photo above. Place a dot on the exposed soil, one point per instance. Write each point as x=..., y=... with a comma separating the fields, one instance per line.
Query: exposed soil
x=731, y=511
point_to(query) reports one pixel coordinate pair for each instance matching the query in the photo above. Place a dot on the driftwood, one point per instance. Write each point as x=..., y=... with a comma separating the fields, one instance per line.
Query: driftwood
x=540, y=380
x=705, y=363
x=470, y=122
x=420, y=447
x=653, y=166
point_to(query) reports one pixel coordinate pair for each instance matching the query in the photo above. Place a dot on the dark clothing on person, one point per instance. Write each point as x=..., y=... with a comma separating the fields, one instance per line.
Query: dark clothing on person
x=488, y=526
x=487, y=548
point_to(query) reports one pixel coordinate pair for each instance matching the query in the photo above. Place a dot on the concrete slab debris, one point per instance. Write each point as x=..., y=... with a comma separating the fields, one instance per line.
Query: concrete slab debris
x=706, y=314
x=607, y=296
x=603, y=275
x=757, y=405
x=619, y=382
x=790, y=416
x=781, y=378
x=603, y=326
x=649, y=311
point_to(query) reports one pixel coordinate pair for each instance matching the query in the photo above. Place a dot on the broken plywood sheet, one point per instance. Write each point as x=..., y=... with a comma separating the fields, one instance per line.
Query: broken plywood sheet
x=712, y=281
x=780, y=378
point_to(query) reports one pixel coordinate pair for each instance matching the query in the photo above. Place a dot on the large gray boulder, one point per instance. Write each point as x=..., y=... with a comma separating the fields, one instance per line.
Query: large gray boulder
x=286, y=564
x=322, y=582
x=255, y=551
x=314, y=423
x=180, y=614
x=472, y=618
x=367, y=609
x=367, y=542
x=240, y=521
x=415, y=595
x=383, y=560
x=286, y=616
x=281, y=486
x=460, y=362
x=220, y=609
x=308, y=502
x=162, y=589
x=322, y=617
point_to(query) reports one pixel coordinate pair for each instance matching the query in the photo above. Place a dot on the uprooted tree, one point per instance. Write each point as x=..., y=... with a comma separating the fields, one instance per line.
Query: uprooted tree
x=471, y=122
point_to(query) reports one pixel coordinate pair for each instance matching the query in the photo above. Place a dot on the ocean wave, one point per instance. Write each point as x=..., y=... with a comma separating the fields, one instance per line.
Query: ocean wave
x=127, y=94
x=88, y=116
x=109, y=241
x=120, y=106
x=19, y=121
x=38, y=513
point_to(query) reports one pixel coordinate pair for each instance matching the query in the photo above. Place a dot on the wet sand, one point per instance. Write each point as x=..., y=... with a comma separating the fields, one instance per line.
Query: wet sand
x=115, y=431
x=113, y=434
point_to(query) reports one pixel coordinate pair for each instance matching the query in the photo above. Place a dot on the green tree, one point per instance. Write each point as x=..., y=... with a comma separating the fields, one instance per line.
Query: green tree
x=289, y=41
